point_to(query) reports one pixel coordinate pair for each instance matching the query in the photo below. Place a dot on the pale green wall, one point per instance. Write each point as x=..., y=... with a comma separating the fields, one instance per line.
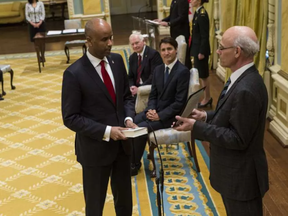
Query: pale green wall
x=78, y=7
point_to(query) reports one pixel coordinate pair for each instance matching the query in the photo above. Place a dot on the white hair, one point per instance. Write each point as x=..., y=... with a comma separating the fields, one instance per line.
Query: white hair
x=136, y=34
x=249, y=46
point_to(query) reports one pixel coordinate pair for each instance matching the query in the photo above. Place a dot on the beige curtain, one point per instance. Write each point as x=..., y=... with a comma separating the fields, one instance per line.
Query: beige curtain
x=252, y=13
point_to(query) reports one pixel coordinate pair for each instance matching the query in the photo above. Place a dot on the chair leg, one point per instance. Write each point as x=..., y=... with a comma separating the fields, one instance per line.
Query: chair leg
x=151, y=157
x=189, y=148
x=194, y=153
x=66, y=49
x=11, y=79
x=2, y=84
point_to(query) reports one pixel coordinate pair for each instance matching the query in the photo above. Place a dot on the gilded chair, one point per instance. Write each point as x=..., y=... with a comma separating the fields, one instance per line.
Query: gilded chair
x=181, y=50
x=73, y=24
x=6, y=69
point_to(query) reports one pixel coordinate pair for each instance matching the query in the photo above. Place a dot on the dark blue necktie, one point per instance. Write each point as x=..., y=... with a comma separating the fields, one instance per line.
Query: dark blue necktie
x=166, y=74
x=224, y=91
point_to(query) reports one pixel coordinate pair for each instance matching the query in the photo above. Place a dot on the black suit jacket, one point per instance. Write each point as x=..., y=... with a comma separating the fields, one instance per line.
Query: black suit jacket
x=200, y=33
x=178, y=18
x=87, y=108
x=169, y=99
x=151, y=59
x=238, y=165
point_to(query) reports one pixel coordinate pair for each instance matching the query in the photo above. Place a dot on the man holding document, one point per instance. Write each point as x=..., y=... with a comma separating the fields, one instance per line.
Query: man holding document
x=235, y=129
x=96, y=101
x=167, y=98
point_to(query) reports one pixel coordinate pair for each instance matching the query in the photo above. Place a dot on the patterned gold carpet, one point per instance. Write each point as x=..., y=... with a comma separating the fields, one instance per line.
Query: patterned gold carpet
x=38, y=171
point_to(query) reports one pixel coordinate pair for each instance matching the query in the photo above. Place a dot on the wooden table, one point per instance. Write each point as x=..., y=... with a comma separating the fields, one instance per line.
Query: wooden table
x=41, y=39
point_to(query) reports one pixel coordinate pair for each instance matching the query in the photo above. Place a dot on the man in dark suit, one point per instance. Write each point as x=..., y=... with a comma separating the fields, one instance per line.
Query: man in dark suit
x=235, y=130
x=141, y=63
x=179, y=24
x=168, y=95
x=95, y=101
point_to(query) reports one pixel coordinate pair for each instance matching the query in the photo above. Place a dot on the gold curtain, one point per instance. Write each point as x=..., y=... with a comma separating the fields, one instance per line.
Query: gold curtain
x=252, y=13
x=210, y=10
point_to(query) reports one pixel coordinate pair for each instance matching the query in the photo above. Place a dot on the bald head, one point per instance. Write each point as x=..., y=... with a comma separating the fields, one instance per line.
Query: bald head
x=99, y=37
x=243, y=37
x=96, y=23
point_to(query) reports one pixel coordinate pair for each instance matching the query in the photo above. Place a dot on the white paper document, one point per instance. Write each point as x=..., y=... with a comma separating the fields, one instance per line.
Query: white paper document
x=131, y=133
x=153, y=22
x=54, y=32
x=67, y=31
x=82, y=30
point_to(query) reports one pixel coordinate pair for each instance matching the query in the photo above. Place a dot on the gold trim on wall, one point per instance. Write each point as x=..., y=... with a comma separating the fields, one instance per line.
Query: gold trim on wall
x=283, y=74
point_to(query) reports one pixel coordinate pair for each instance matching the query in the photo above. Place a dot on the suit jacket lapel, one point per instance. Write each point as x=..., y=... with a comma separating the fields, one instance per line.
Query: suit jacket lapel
x=227, y=95
x=145, y=57
x=88, y=67
x=171, y=75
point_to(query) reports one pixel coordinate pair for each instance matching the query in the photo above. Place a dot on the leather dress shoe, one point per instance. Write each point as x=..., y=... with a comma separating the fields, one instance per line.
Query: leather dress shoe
x=135, y=168
x=209, y=103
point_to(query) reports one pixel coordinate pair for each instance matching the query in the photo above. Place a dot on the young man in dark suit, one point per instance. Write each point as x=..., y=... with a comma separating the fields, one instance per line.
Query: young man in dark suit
x=179, y=24
x=96, y=102
x=168, y=95
x=141, y=63
x=235, y=129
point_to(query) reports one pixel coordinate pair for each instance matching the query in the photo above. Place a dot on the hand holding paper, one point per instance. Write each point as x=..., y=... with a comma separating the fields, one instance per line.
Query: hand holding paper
x=184, y=124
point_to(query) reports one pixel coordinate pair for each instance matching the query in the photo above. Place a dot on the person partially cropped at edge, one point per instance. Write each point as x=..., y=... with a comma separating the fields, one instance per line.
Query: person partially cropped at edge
x=200, y=48
x=178, y=20
x=235, y=129
x=142, y=62
x=96, y=102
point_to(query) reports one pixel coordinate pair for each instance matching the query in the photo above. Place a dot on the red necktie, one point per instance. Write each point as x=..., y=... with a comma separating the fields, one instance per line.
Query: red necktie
x=107, y=81
x=139, y=70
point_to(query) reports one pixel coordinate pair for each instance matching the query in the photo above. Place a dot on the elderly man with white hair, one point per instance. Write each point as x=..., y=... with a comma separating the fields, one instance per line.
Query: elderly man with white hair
x=235, y=129
x=141, y=63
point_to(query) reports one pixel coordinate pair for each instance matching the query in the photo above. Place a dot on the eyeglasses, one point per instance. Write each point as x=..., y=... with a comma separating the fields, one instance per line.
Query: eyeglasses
x=221, y=48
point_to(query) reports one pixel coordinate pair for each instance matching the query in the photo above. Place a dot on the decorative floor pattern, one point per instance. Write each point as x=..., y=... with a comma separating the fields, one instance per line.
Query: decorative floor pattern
x=38, y=171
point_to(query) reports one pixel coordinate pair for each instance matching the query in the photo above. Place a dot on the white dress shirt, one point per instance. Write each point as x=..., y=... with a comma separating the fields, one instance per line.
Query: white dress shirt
x=236, y=74
x=96, y=64
x=170, y=66
x=141, y=54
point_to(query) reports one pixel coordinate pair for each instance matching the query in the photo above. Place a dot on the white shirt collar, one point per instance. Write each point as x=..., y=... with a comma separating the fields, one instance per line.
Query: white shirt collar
x=236, y=74
x=170, y=66
x=142, y=53
x=94, y=60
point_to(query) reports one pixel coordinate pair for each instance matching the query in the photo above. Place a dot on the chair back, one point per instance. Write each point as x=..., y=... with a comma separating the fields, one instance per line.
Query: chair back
x=181, y=50
x=194, y=84
x=72, y=24
x=142, y=98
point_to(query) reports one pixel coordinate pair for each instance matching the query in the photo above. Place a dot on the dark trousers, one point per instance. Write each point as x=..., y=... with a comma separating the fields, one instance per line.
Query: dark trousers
x=33, y=31
x=139, y=143
x=243, y=208
x=95, y=182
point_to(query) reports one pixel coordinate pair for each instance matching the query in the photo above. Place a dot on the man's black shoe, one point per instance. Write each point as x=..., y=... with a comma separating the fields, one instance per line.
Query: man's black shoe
x=134, y=171
x=135, y=168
